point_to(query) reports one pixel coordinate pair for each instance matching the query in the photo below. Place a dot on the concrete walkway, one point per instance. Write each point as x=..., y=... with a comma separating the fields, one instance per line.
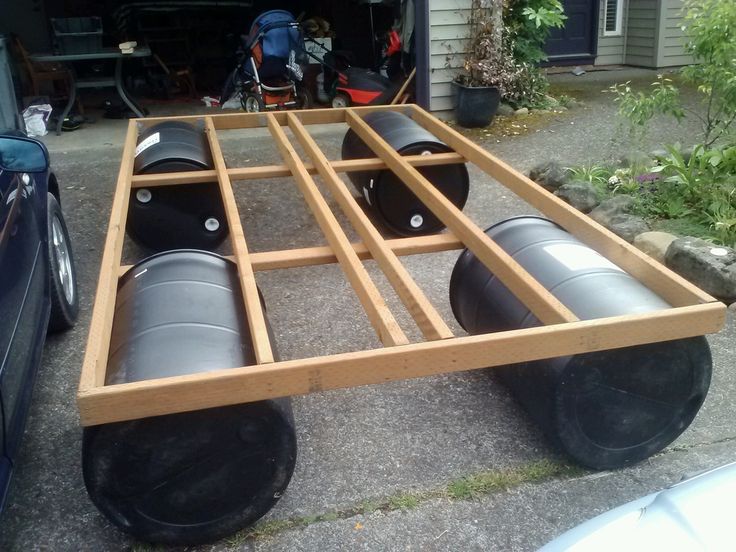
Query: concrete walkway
x=378, y=467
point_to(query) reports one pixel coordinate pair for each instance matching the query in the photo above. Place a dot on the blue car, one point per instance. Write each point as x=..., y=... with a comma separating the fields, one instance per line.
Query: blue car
x=38, y=284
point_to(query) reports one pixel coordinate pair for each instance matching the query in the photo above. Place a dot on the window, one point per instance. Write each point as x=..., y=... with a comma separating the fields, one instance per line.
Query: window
x=613, y=17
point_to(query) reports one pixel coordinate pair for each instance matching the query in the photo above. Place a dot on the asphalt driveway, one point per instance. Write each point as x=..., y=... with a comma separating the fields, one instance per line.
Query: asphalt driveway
x=376, y=464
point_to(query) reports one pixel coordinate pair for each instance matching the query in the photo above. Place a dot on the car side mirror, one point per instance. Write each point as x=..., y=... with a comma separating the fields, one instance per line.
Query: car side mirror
x=19, y=154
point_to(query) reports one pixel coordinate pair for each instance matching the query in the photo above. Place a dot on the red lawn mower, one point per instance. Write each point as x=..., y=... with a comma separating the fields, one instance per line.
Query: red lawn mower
x=347, y=85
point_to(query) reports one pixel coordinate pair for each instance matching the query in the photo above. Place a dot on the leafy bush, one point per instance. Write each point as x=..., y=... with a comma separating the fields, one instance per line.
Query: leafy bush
x=529, y=87
x=528, y=24
x=698, y=191
x=507, y=58
x=711, y=25
x=639, y=107
x=490, y=65
x=489, y=61
x=702, y=188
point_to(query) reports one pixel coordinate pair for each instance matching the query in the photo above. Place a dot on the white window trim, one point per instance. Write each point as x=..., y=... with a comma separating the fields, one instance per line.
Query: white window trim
x=618, y=31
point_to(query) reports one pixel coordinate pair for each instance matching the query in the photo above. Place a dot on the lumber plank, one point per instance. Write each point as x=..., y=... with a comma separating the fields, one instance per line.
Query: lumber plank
x=256, y=320
x=230, y=121
x=275, y=171
x=94, y=366
x=378, y=313
x=525, y=287
x=670, y=286
x=296, y=377
x=321, y=255
x=425, y=315
x=310, y=256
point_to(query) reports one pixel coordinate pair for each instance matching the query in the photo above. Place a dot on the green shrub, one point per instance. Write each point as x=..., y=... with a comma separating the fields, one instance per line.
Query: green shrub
x=527, y=25
x=528, y=88
x=698, y=192
x=711, y=26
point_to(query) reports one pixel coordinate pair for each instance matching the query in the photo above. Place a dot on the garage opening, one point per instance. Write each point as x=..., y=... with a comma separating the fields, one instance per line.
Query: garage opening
x=194, y=45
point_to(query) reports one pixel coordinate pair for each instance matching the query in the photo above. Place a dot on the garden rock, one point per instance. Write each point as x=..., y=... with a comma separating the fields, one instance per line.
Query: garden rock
x=617, y=205
x=505, y=110
x=627, y=226
x=710, y=267
x=522, y=112
x=659, y=153
x=581, y=195
x=549, y=174
x=654, y=244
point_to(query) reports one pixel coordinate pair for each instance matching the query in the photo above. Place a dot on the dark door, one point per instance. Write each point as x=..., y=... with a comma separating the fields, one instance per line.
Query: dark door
x=576, y=41
x=23, y=277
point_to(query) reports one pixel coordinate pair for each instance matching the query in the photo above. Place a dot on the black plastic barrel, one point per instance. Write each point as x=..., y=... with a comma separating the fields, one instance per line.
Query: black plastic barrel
x=179, y=216
x=605, y=409
x=396, y=206
x=198, y=476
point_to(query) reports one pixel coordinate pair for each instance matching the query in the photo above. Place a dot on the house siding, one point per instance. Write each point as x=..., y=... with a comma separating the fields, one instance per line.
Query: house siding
x=610, y=48
x=641, y=33
x=652, y=37
x=672, y=39
x=448, y=34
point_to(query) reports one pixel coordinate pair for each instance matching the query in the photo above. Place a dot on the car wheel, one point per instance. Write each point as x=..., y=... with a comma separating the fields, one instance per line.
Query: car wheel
x=63, y=276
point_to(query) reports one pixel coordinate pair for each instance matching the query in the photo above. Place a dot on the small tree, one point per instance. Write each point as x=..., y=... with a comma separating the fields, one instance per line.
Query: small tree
x=711, y=25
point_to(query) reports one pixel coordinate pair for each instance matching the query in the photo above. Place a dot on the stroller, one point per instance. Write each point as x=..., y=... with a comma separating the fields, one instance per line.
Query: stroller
x=268, y=75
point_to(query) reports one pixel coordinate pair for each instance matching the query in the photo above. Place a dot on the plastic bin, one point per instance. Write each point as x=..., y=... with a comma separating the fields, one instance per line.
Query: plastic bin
x=77, y=35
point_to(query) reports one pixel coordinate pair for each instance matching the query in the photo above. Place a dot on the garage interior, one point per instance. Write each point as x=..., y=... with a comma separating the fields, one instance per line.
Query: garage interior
x=194, y=45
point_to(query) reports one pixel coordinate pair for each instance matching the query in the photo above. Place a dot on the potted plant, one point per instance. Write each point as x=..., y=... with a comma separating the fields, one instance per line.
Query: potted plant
x=489, y=67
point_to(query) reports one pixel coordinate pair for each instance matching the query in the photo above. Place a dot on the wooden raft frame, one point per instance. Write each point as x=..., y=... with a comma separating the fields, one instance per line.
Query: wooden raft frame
x=693, y=312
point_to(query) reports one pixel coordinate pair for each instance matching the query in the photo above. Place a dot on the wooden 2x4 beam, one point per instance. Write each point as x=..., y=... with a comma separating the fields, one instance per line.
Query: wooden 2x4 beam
x=388, y=330
x=528, y=290
x=321, y=255
x=695, y=312
x=94, y=366
x=238, y=121
x=130, y=401
x=256, y=319
x=276, y=171
x=670, y=286
x=427, y=318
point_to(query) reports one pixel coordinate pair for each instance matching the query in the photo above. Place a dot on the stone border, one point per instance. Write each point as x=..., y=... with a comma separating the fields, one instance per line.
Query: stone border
x=710, y=267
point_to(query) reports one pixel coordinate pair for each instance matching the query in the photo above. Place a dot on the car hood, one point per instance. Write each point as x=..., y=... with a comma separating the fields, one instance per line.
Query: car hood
x=697, y=514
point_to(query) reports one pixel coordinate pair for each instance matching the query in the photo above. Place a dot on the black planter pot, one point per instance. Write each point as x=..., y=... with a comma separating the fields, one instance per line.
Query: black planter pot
x=475, y=106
